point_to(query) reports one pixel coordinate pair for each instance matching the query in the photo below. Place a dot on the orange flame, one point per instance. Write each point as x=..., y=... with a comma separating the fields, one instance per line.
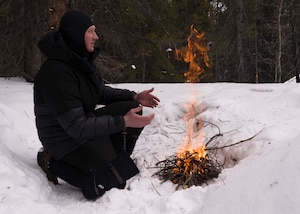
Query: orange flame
x=193, y=142
x=196, y=54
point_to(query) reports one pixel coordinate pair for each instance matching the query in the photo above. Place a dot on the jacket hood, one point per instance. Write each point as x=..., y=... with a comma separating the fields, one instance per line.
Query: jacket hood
x=53, y=46
x=72, y=27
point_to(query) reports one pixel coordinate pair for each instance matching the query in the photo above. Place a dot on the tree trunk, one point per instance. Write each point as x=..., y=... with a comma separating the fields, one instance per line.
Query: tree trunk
x=256, y=48
x=11, y=38
x=239, y=33
x=278, y=70
x=143, y=70
x=35, y=28
x=56, y=8
x=217, y=62
x=294, y=41
x=32, y=56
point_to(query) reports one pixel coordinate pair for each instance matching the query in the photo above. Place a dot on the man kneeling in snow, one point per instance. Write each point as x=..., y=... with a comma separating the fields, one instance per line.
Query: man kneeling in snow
x=87, y=148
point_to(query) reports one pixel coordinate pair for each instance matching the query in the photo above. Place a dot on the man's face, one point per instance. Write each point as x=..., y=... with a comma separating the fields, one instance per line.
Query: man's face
x=90, y=37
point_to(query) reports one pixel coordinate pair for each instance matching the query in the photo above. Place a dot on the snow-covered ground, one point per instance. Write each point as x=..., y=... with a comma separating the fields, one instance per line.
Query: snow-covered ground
x=261, y=175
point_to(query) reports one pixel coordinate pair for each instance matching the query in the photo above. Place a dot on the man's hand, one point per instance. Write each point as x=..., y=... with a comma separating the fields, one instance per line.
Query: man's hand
x=145, y=98
x=134, y=120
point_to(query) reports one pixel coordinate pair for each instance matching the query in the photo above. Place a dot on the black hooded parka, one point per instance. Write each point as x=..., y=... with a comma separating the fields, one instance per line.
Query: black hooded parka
x=67, y=89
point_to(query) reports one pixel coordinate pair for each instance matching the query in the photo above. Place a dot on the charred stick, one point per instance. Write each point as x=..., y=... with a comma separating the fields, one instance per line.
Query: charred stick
x=233, y=144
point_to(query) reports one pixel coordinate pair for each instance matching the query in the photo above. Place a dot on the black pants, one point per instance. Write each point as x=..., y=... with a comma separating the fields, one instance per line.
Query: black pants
x=103, y=161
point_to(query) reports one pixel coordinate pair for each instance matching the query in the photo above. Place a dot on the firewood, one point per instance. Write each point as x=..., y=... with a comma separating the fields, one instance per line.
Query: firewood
x=188, y=170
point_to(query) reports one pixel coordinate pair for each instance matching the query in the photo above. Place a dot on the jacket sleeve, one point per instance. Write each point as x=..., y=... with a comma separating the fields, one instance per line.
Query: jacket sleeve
x=110, y=95
x=81, y=127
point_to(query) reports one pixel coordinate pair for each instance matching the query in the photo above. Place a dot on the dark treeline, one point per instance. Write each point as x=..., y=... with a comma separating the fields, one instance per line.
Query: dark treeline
x=251, y=41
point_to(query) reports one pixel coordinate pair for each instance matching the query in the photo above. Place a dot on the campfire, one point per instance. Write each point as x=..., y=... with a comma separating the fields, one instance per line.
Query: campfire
x=188, y=170
x=196, y=160
x=192, y=165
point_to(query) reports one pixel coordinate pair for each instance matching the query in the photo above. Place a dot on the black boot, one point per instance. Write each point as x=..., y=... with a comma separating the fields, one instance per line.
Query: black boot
x=43, y=159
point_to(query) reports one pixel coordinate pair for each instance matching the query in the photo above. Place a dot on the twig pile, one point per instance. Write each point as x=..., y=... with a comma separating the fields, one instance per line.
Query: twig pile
x=188, y=170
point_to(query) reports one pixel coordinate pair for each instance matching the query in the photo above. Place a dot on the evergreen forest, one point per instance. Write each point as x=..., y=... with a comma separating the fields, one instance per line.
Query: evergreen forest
x=248, y=41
